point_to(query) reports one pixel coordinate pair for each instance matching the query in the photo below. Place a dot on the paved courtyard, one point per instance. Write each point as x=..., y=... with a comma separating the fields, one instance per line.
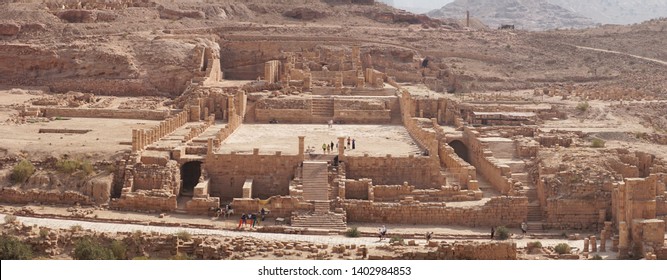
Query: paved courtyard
x=374, y=140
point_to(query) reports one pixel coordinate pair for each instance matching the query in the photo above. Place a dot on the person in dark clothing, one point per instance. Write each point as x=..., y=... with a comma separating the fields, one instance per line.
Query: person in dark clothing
x=493, y=232
x=428, y=236
x=425, y=63
x=332, y=145
x=243, y=220
x=353, y=144
x=263, y=213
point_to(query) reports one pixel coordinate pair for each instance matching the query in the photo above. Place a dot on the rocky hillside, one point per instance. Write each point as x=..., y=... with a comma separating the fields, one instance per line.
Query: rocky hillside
x=524, y=14
x=616, y=11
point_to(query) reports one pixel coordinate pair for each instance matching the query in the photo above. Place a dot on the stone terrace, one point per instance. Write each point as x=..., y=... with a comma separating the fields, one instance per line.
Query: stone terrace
x=374, y=140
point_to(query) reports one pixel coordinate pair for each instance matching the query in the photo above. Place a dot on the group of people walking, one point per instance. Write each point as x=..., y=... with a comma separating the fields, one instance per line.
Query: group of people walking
x=256, y=219
x=329, y=148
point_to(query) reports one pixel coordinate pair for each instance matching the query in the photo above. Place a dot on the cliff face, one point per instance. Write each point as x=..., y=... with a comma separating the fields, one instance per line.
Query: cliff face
x=616, y=11
x=123, y=66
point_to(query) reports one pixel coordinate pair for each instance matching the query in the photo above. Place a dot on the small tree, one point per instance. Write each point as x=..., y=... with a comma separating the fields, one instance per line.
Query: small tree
x=10, y=219
x=184, y=235
x=22, y=171
x=598, y=143
x=562, y=248
x=583, y=106
x=87, y=167
x=352, y=232
x=67, y=165
x=119, y=250
x=11, y=248
x=89, y=249
x=502, y=233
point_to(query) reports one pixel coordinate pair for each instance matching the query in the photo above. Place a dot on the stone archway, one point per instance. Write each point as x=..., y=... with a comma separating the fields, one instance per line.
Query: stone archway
x=461, y=150
x=190, y=173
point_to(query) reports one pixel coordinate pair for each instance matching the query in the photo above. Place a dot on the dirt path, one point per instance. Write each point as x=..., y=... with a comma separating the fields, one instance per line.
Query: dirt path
x=621, y=53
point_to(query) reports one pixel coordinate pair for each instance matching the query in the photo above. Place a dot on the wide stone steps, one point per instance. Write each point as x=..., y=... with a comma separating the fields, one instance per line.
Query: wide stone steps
x=322, y=107
x=534, y=213
x=325, y=221
x=534, y=227
x=315, y=180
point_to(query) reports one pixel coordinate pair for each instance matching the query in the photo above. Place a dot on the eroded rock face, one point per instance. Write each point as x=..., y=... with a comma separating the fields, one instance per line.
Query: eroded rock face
x=166, y=13
x=9, y=29
x=303, y=13
x=77, y=16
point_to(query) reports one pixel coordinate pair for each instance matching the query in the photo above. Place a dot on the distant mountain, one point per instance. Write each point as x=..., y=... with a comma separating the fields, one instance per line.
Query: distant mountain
x=524, y=14
x=616, y=11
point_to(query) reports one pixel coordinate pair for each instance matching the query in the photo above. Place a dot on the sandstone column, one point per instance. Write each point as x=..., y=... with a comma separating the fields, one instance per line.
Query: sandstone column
x=341, y=148
x=586, y=245
x=302, y=147
x=209, y=148
x=594, y=247
x=623, y=242
x=135, y=141
x=603, y=241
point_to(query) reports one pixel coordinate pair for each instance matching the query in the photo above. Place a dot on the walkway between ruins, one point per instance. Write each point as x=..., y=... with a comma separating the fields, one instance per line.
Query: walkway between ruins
x=318, y=239
x=621, y=53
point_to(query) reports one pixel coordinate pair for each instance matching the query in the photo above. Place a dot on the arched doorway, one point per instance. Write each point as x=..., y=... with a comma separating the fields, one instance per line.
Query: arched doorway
x=190, y=173
x=460, y=149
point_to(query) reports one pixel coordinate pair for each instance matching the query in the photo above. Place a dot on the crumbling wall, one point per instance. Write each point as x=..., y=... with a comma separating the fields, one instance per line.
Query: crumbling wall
x=466, y=251
x=156, y=177
x=506, y=210
x=271, y=174
x=105, y=113
x=142, y=200
x=421, y=172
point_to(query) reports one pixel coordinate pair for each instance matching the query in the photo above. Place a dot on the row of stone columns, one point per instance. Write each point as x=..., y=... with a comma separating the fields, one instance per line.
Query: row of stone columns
x=144, y=137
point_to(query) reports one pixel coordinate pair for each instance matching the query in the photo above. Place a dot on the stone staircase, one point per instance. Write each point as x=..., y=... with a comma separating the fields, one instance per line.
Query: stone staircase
x=315, y=180
x=322, y=107
x=332, y=221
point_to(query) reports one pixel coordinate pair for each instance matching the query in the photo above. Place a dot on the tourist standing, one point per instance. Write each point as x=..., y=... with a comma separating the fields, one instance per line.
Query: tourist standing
x=353, y=144
x=324, y=148
x=493, y=232
x=524, y=227
x=383, y=232
x=242, y=220
x=348, y=142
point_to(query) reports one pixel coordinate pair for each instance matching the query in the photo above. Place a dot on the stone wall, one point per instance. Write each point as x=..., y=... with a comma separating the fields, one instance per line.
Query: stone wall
x=156, y=177
x=278, y=206
x=497, y=174
x=406, y=192
x=271, y=174
x=573, y=213
x=19, y=196
x=145, y=201
x=464, y=172
x=466, y=251
x=510, y=211
x=105, y=113
x=357, y=189
x=419, y=171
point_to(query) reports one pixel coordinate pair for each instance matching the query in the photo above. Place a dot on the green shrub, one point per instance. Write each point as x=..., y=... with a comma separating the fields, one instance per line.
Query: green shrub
x=89, y=249
x=68, y=165
x=597, y=143
x=181, y=256
x=597, y=257
x=184, y=235
x=11, y=248
x=583, y=106
x=502, y=233
x=43, y=232
x=535, y=244
x=352, y=232
x=22, y=171
x=119, y=250
x=396, y=239
x=87, y=167
x=10, y=219
x=562, y=248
